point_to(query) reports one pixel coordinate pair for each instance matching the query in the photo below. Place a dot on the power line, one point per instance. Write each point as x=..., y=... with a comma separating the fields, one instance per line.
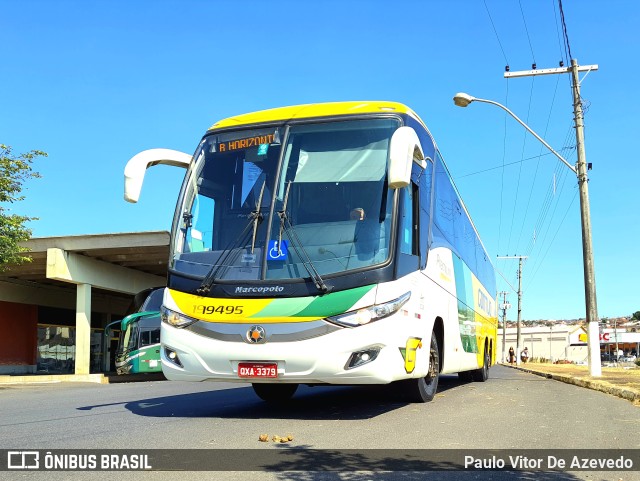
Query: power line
x=524, y=143
x=548, y=201
x=514, y=289
x=539, y=230
x=530, y=280
x=564, y=31
x=562, y=54
x=496, y=32
x=535, y=175
x=553, y=197
x=504, y=156
x=561, y=176
x=527, y=31
x=503, y=166
x=504, y=141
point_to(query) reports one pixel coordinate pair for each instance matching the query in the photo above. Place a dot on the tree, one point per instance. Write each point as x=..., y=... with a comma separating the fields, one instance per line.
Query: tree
x=14, y=172
x=636, y=316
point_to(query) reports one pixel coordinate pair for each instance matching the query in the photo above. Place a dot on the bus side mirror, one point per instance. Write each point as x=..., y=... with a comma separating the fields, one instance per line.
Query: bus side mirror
x=137, y=166
x=404, y=149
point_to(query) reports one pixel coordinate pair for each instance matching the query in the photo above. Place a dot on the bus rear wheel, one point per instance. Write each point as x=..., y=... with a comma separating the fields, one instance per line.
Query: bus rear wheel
x=424, y=389
x=275, y=392
x=482, y=373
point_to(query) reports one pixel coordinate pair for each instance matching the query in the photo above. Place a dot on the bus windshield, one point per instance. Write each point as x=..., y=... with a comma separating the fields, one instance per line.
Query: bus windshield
x=267, y=203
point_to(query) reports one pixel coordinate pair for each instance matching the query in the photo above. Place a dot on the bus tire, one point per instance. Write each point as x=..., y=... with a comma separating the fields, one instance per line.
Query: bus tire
x=424, y=389
x=482, y=373
x=274, y=392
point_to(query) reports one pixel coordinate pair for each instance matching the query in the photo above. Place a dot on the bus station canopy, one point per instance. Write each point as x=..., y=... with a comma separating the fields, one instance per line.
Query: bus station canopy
x=116, y=266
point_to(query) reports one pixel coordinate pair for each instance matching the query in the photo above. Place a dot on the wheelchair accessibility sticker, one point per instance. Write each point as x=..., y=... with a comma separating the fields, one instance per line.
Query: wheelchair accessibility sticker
x=277, y=252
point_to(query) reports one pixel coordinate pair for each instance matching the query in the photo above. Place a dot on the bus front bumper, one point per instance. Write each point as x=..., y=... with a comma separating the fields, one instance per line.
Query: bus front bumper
x=328, y=359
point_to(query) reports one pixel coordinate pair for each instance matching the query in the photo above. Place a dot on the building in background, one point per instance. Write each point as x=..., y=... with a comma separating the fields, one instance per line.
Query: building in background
x=565, y=342
x=53, y=310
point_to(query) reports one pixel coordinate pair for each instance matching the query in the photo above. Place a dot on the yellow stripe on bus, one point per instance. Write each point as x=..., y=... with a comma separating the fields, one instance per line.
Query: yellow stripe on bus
x=229, y=310
x=328, y=109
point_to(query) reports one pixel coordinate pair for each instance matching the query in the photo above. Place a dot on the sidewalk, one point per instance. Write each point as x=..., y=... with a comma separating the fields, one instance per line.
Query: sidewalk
x=100, y=378
x=618, y=381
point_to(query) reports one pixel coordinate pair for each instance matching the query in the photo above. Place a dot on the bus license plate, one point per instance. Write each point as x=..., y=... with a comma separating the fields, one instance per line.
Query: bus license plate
x=256, y=370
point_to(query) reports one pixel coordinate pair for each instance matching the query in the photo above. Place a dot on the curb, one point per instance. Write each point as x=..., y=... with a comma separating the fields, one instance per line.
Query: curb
x=53, y=378
x=602, y=386
x=100, y=378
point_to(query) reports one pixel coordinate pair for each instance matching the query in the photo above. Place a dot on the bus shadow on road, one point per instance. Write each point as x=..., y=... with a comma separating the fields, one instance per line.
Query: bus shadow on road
x=412, y=471
x=312, y=403
x=308, y=464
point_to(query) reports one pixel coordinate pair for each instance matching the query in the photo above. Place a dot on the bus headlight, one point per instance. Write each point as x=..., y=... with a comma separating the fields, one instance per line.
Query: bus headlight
x=370, y=314
x=175, y=319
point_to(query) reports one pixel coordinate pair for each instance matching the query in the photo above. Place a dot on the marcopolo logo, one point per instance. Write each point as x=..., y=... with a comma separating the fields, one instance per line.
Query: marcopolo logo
x=259, y=290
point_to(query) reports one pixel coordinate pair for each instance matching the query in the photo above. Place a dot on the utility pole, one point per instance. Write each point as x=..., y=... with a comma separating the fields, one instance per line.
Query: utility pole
x=518, y=331
x=593, y=334
x=504, y=306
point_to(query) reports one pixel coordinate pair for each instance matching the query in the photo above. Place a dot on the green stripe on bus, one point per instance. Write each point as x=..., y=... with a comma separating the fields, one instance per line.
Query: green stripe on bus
x=285, y=307
x=334, y=303
x=466, y=313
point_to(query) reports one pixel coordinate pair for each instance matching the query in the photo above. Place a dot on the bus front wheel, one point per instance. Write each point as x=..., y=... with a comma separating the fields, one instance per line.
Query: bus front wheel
x=275, y=392
x=424, y=389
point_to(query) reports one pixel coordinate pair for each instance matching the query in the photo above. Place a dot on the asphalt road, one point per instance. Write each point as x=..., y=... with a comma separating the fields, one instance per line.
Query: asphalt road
x=513, y=410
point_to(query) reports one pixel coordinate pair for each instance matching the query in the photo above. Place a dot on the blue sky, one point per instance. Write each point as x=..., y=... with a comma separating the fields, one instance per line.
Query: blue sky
x=94, y=82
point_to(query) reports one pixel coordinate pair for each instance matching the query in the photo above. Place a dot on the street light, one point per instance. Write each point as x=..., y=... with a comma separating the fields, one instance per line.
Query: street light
x=462, y=99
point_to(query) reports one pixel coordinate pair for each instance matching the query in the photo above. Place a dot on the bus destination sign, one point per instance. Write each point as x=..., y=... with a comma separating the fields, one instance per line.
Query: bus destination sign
x=246, y=143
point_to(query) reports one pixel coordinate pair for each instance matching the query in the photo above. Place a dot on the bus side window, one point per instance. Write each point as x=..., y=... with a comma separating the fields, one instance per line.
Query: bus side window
x=155, y=336
x=149, y=337
x=409, y=229
x=424, y=212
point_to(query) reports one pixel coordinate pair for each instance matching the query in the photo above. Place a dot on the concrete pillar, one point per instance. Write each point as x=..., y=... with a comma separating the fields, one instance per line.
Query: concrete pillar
x=83, y=328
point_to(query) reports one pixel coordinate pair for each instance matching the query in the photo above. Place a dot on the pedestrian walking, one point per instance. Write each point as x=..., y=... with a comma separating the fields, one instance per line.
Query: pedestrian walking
x=512, y=356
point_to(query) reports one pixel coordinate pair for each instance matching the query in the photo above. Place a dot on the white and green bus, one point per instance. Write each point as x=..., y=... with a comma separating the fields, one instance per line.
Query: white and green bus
x=322, y=244
x=139, y=341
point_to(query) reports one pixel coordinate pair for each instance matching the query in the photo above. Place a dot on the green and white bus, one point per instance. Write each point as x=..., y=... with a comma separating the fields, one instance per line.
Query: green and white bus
x=139, y=341
x=322, y=244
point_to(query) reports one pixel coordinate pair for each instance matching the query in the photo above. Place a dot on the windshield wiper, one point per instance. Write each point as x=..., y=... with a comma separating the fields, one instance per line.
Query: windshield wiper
x=285, y=225
x=255, y=218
